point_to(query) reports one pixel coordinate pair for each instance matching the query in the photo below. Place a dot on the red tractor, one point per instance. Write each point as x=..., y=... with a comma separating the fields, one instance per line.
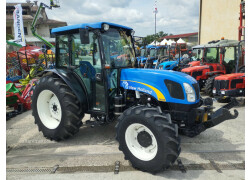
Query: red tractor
x=232, y=85
x=219, y=58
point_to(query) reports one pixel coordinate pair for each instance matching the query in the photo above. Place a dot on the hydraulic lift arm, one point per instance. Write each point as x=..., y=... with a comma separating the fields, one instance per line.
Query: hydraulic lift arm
x=33, y=25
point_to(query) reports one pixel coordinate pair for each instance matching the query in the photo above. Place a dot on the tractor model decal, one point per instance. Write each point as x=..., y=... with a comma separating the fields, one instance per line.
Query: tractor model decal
x=142, y=87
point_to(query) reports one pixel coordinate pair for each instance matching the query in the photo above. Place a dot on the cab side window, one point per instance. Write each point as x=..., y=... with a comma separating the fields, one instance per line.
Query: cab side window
x=63, y=51
x=85, y=52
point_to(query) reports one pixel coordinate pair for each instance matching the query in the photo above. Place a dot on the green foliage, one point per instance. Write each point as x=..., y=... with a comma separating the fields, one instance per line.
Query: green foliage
x=150, y=38
x=9, y=37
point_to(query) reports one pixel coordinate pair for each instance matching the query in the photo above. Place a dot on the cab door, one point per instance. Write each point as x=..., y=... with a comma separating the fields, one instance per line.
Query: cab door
x=87, y=60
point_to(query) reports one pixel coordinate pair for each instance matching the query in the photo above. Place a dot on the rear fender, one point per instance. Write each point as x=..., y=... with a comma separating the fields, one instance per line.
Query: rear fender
x=74, y=84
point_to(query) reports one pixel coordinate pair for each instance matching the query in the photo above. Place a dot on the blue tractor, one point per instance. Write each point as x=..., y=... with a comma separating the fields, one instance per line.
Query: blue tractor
x=154, y=53
x=144, y=52
x=152, y=106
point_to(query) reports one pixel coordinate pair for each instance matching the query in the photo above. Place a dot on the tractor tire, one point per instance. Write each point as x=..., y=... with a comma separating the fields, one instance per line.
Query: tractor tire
x=209, y=85
x=56, y=109
x=242, y=69
x=148, y=138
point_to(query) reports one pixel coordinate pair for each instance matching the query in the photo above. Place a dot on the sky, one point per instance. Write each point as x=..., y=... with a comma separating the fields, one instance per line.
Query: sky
x=174, y=16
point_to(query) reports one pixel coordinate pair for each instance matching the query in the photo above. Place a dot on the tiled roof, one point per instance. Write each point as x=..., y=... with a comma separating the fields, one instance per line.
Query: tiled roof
x=179, y=35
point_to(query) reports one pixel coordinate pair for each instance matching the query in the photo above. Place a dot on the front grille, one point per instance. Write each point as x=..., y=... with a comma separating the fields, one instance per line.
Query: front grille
x=221, y=84
x=236, y=81
x=197, y=90
x=175, y=89
x=196, y=73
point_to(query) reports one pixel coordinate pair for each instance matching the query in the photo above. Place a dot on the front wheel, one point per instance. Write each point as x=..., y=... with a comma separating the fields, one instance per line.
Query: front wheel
x=209, y=85
x=148, y=138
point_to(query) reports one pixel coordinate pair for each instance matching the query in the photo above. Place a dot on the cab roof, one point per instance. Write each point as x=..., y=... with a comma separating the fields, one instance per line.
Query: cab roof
x=97, y=25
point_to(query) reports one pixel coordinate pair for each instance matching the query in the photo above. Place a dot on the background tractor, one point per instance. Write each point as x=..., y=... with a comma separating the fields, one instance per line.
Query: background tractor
x=152, y=106
x=232, y=85
x=219, y=58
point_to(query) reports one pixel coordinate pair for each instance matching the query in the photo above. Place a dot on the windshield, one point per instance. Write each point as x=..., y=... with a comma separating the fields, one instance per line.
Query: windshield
x=118, y=48
x=143, y=52
x=152, y=52
x=211, y=55
x=162, y=51
x=197, y=54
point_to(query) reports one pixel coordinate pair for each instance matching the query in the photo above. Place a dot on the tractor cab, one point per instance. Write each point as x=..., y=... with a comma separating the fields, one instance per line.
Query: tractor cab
x=196, y=55
x=95, y=52
x=156, y=53
x=144, y=53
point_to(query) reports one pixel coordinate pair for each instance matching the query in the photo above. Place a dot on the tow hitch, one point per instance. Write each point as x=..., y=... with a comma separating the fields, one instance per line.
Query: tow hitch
x=221, y=115
x=205, y=118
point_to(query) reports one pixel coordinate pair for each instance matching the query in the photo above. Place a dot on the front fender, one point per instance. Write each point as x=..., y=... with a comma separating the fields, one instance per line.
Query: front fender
x=74, y=83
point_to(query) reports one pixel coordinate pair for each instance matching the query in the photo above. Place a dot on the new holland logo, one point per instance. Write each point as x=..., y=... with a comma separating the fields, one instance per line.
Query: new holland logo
x=18, y=25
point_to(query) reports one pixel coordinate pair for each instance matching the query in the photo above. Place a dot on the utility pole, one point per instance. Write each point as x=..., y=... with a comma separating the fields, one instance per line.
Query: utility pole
x=155, y=11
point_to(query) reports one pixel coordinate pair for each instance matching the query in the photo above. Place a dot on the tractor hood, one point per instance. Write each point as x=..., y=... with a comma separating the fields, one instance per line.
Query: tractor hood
x=194, y=63
x=230, y=76
x=195, y=68
x=168, y=63
x=153, y=82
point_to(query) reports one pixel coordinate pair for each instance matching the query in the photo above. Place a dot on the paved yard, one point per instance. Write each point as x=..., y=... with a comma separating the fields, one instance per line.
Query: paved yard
x=216, y=153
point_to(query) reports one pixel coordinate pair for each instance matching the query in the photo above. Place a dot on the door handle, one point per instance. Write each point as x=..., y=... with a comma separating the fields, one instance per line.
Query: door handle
x=98, y=77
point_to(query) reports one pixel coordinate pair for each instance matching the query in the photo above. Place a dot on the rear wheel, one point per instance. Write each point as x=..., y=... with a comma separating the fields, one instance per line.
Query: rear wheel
x=148, y=138
x=56, y=109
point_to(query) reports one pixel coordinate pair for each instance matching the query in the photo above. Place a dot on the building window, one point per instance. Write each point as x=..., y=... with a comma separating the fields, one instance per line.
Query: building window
x=8, y=30
x=25, y=30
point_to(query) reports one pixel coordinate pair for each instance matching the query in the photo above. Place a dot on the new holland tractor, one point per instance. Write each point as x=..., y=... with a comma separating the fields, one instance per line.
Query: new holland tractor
x=151, y=106
x=215, y=62
x=232, y=85
x=154, y=53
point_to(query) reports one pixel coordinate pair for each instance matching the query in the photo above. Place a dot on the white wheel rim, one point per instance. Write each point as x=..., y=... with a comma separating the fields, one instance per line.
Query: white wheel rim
x=49, y=109
x=140, y=152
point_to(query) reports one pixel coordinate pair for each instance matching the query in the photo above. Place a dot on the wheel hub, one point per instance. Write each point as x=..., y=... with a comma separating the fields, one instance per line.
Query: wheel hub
x=144, y=139
x=54, y=107
x=141, y=141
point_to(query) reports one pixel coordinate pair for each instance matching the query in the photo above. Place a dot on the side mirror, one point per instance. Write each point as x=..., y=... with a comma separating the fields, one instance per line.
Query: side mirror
x=84, y=36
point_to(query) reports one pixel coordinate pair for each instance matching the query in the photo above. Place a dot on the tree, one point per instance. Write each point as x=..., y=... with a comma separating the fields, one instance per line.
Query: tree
x=150, y=38
x=9, y=36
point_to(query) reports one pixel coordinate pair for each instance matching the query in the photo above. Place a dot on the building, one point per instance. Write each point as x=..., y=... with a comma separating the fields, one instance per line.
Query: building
x=218, y=18
x=44, y=24
x=190, y=38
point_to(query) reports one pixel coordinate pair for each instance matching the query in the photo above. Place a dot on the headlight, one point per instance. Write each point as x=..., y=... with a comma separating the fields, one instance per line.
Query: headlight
x=189, y=92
